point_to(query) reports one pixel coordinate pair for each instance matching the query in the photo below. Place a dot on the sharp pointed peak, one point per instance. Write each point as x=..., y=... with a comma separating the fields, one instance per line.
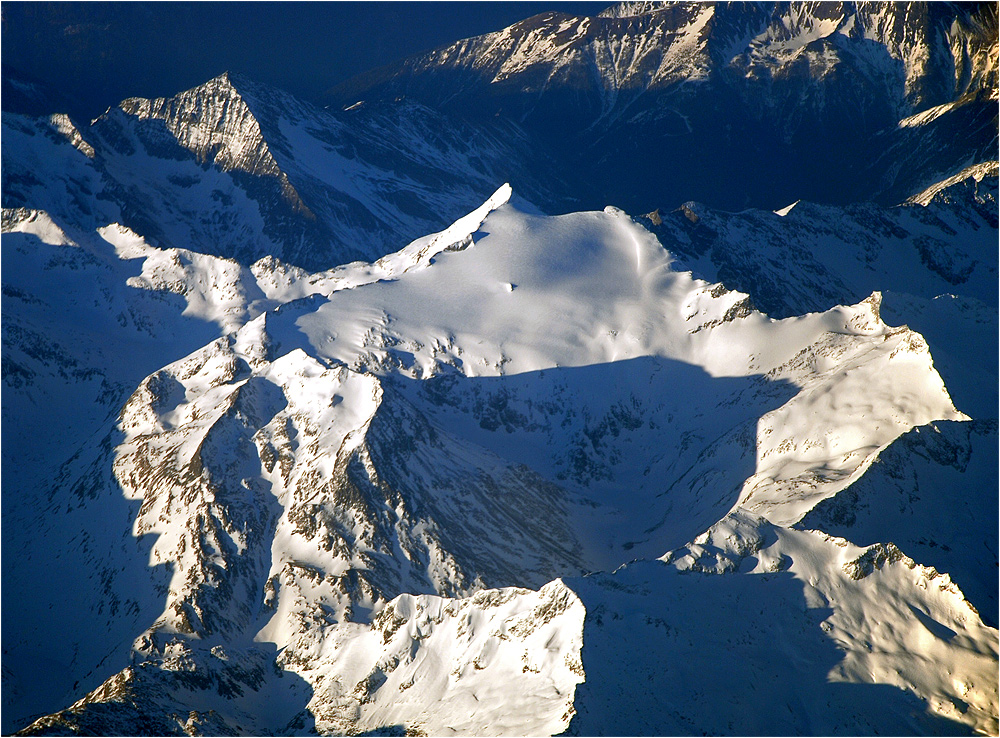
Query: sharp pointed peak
x=233, y=85
x=237, y=86
x=226, y=81
x=233, y=79
x=228, y=84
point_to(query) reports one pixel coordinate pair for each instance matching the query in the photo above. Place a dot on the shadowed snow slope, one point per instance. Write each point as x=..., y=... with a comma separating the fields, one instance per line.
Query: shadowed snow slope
x=346, y=490
x=810, y=635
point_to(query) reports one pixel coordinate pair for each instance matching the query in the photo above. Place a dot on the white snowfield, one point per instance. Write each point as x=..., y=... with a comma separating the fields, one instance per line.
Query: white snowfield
x=518, y=477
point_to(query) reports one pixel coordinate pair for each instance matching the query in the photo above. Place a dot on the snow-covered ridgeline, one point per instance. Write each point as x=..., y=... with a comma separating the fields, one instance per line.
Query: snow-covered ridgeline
x=236, y=409
x=329, y=454
x=242, y=170
x=978, y=172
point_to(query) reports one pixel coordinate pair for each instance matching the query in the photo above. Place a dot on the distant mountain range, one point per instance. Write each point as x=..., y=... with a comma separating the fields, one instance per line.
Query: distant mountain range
x=316, y=426
x=733, y=104
x=652, y=105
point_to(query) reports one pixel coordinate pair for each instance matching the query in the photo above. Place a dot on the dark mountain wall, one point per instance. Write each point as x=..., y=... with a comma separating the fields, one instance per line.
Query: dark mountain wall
x=733, y=104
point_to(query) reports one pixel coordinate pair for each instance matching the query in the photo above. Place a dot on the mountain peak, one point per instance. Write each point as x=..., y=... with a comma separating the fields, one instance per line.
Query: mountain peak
x=633, y=8
x=219, y=123
x=291, y=502
x=224, y=81
x=235, y=83
x=703, y=79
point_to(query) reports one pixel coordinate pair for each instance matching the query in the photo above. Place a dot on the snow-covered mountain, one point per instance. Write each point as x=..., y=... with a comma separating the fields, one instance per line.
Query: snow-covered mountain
x=645, y=106
x=344, y=496
x=933, y=259
x=806, y=256
x=733, y=104
x=299, y=440
x=241, y=170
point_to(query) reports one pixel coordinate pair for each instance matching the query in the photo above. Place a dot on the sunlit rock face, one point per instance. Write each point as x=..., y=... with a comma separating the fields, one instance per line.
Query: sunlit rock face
x=732, y=104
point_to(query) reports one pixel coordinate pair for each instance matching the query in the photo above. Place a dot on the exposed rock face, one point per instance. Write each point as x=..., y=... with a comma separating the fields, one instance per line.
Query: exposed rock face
x=237, y=169
x=648, y=97
x=827, y=102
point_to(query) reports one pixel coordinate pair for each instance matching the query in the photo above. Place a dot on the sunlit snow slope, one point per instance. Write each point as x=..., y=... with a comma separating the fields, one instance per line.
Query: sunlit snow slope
x=375, y=498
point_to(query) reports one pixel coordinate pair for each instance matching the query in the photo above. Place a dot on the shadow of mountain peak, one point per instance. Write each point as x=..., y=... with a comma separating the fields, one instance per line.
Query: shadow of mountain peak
x=673, y=653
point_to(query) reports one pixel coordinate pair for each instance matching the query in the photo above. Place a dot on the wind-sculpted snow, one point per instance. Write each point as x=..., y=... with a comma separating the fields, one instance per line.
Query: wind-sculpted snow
x=346, y=491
